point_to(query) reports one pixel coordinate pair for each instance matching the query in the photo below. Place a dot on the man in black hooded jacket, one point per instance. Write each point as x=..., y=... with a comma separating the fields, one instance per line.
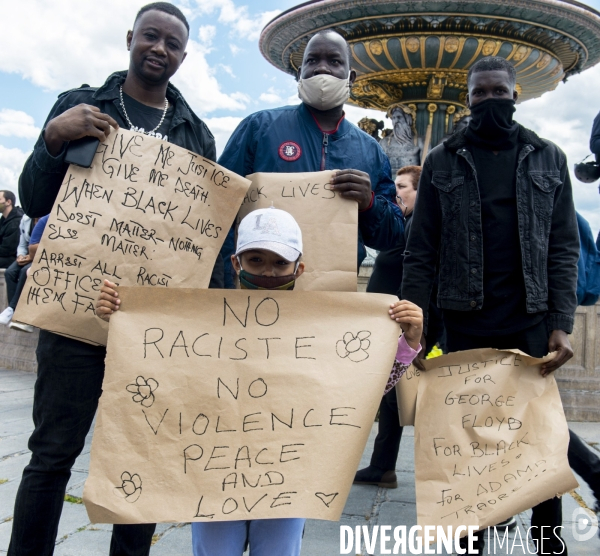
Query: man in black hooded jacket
x=495, y=208
x=9, y=228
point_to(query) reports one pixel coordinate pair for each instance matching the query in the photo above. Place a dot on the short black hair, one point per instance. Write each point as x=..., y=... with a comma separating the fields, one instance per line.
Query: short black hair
x=167, y=8
x=493, y=63
x=333, y=31
x=9, y=196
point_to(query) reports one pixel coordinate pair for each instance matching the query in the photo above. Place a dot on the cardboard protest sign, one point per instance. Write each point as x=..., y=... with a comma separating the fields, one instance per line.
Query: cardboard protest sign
x=236, y=404
x=146, y=213
x=329, y=225
x=406, y=394
x=491, y=438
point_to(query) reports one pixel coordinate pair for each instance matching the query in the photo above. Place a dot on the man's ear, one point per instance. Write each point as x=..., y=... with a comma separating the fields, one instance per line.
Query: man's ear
x=129, y=39
x=515, y=95
x=184, y=57
x=236, y=264
x=352, y=77
x=467, y=101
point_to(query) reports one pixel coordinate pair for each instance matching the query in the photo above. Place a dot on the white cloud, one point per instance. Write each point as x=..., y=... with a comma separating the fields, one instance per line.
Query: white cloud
x=63, y=47
x=565, y=117
x=227, y=69
x=15, y=123
x=11, y=164
x=237, y=17
x=222, y=128
x=270, y=97
x=235, y=50
x=206, y=34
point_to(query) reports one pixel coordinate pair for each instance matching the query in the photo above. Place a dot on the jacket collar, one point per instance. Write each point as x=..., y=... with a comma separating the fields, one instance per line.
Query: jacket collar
x=110, y=91
x=343, y=127
x=526, y=136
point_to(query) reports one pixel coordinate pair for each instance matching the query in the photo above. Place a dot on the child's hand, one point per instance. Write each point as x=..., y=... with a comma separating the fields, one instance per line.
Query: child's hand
x=108, y=301
x=410, y=317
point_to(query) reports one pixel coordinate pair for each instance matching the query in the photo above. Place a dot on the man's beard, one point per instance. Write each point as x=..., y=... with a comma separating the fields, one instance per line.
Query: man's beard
x=403, y=133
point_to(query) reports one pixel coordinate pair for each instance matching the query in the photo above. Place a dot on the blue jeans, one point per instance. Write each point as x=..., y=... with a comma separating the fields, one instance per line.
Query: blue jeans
x=67, y=389
x=267, y=537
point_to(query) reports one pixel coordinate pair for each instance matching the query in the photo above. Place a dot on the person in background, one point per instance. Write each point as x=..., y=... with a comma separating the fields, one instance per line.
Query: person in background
x=34, y=241
x=387, y=278
x=14, y=271
x=10, y=232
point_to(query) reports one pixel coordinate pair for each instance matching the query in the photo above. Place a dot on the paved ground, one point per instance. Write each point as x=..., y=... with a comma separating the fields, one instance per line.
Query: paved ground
x=366, y=505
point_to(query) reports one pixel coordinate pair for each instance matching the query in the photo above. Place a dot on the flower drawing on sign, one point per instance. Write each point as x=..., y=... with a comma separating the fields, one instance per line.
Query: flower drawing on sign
x=354, y=347
x=131, y=487
x=143, y=390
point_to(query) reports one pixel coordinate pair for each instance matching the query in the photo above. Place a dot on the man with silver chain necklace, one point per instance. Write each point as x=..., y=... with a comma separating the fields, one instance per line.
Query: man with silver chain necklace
x=70, y=372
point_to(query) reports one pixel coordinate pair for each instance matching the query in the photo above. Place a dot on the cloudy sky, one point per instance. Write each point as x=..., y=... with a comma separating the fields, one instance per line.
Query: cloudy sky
x=54, y=45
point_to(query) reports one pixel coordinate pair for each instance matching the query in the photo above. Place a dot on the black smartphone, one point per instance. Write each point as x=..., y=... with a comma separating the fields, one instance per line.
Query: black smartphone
x=81, y=152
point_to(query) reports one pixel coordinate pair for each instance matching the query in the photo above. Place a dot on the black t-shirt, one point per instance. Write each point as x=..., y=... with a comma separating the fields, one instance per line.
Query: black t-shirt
x=504, y=309
x=145, y=118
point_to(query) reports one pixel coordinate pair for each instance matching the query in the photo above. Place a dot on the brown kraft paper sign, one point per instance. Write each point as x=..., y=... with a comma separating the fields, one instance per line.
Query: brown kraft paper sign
x=329, y=225
x=236, y=404
x=146, y=213
x=491, y=438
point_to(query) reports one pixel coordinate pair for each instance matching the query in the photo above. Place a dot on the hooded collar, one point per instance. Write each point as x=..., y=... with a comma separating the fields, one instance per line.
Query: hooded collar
x=306, y=115
x=526, y=136
x=110, y=91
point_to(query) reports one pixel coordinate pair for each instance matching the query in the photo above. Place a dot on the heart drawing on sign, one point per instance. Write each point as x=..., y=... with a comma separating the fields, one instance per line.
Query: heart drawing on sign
x=327, y=499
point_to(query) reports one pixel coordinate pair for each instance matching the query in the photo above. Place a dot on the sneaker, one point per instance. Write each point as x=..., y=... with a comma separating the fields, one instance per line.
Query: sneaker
x=21, y=326
x=509, y=524
x=374, y=476
x=6, y=315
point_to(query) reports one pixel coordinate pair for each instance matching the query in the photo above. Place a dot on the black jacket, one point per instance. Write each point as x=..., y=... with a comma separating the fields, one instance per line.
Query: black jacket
x=447, y=224
x=43, y=173
x=9, y=236
x=595, y=138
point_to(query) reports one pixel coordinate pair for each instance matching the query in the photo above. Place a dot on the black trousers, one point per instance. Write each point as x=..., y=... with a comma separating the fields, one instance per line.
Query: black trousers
x=389, y=433
x=533, y=341
x=585, y=463
x=67, y=389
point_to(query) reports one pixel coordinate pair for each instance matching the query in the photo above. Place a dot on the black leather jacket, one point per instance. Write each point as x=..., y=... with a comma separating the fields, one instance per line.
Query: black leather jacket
x=447, y=226
x=43, y=173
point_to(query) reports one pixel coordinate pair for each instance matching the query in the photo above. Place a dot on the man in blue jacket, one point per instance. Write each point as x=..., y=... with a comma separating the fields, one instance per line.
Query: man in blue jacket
x=316, y=136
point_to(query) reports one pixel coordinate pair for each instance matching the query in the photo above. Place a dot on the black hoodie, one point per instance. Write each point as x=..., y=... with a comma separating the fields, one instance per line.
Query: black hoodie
x=9, y=236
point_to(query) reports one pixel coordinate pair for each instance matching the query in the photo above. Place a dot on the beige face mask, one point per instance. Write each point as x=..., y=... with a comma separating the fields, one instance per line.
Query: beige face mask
x=324, y=91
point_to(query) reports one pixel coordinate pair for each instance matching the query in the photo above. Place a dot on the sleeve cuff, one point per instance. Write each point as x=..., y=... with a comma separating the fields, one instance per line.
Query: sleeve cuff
x=405, y=354
x=370, y=204
x=45, y=161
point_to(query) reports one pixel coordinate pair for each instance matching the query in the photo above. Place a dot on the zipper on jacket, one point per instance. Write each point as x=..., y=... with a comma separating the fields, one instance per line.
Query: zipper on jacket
x=324, y=150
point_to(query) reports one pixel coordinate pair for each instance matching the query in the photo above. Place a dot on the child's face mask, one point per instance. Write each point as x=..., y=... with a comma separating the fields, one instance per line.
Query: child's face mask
x=254, y=282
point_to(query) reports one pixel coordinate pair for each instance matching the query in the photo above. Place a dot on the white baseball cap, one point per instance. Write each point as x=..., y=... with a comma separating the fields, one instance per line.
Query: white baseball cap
x=271, y=229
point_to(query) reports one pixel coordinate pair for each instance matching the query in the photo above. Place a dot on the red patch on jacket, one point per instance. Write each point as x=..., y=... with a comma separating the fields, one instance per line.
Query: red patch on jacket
x=290, y=151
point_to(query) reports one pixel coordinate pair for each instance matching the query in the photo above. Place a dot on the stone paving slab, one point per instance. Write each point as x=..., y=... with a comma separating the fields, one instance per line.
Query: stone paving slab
x=366, y=506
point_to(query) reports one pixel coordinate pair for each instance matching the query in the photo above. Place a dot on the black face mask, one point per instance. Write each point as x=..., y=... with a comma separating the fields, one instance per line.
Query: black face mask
x=253, y=282
x=492, y=126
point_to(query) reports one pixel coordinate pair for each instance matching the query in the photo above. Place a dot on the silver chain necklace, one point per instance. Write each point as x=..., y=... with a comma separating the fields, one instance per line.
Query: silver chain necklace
x=131, y=126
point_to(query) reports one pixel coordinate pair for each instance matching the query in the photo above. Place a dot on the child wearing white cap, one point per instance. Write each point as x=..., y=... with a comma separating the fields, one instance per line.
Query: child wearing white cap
x=269, y=249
